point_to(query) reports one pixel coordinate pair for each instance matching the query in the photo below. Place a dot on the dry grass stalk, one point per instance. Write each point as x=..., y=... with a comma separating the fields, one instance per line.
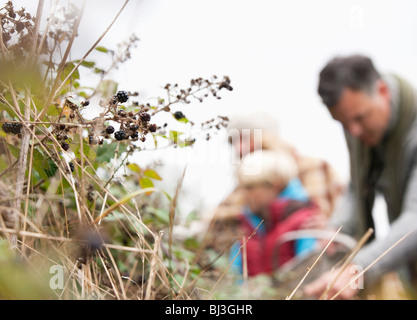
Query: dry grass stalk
x=348, y=259
x=234, y=258
x=153, y=267
x=313, y=265
x=245, y=269
x=371, y=264
x=172, y=209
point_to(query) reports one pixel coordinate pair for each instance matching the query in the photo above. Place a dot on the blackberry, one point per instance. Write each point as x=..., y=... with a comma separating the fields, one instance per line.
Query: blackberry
x=71, y=165
x=65, y=146
x=179, y=115
x=145, y=117
x=152, y=127
x=122, y=96
x=134, y=135
x=120, y=135
x=11, y=127
x=16, y=128
x=109, y=129
x=7, y=127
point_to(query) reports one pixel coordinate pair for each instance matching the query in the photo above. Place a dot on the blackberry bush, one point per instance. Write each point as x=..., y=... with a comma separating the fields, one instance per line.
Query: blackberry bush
x=94, y=218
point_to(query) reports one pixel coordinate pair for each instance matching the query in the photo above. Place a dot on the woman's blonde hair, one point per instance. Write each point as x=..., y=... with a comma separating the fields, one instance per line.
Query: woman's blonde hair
x=267, y=167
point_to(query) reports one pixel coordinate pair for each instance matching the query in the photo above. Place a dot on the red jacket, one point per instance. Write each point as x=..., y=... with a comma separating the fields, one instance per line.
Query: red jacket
x=261, y=250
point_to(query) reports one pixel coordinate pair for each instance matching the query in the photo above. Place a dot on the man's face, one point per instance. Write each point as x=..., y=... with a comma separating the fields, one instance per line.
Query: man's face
x=365, y=116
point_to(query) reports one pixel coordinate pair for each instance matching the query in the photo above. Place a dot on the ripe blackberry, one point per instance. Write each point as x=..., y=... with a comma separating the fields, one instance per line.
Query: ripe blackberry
x=134, y=135
x=11, y=127
x=145, y=117
x=109, y=129
x=16, y=128
x=122, y=96
x=120, y=135
x=65, y=146
x=7, y=127
x=179, y=115
x=152, y=127
x=71, y=165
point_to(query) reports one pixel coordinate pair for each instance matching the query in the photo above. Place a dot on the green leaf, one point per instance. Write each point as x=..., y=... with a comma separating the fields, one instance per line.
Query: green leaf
x=3, y=164
x=105, y=152
x=191, y=244
x=173, y=135
x=98, y=70
x=152, y=174
x=67, y=69
x=134, y=167
x=87, y=150
x=13, y=150
x=183, y=120
x=162, y=215
x=102, y=49
x=8, y=109
x=51, y=169
x=145, y=183
x=88, y=64
x=53, y=111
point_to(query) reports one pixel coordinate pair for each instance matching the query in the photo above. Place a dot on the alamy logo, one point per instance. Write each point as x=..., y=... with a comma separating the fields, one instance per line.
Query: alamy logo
x=357, y=282
x=57, y=279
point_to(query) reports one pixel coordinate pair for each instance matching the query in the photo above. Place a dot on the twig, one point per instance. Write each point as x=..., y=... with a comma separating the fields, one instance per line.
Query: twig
x=313, y=265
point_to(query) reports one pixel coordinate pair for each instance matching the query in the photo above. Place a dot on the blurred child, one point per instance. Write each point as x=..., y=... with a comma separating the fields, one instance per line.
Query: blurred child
x=274, y=194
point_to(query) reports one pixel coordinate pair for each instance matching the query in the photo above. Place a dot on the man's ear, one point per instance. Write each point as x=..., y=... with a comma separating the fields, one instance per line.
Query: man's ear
x=382, y=88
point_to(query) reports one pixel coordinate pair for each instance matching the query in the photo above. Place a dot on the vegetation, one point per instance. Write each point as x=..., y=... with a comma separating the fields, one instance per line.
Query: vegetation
x=73, y=203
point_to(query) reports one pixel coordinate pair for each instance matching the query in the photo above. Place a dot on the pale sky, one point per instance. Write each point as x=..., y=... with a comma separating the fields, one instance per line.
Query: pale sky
x=271, y=50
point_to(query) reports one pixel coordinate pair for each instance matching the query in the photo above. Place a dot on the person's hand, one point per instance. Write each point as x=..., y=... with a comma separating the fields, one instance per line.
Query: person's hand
x=319, y=286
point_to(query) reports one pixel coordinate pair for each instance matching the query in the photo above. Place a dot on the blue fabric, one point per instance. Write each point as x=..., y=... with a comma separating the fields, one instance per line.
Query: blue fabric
x=294, y=191
x=237, y=265
x=304, y=245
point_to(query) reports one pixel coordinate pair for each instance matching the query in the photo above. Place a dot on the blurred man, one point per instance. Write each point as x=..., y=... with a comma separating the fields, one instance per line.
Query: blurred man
x=379, y=116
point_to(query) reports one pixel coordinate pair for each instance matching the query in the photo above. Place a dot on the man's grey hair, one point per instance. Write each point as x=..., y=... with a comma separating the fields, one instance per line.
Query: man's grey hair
x=356, y=72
